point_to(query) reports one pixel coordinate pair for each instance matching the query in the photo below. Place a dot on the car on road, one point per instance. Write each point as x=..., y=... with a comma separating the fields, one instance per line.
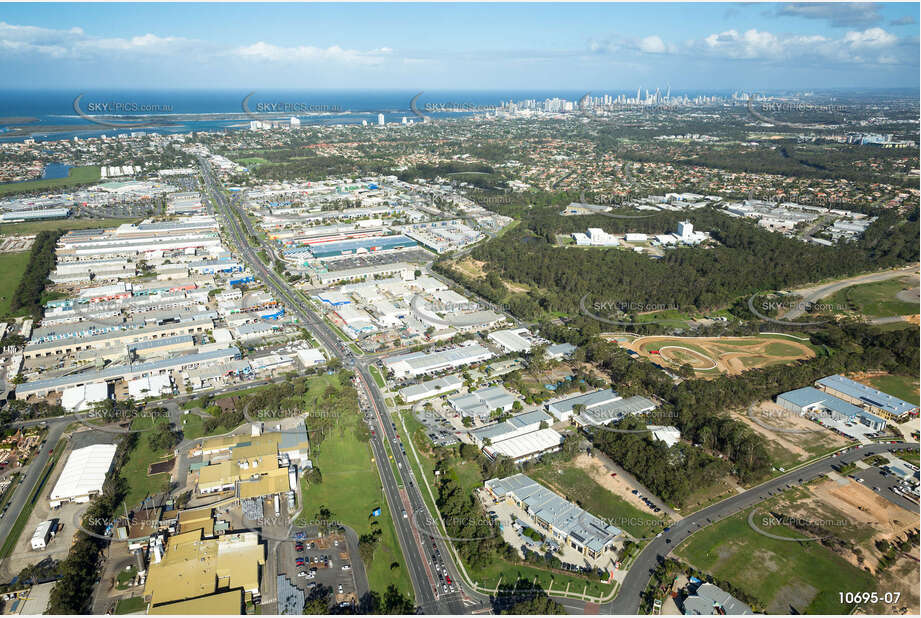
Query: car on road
x=340, y=588
x=302, y=574
x=613, y=474
x=346, y=567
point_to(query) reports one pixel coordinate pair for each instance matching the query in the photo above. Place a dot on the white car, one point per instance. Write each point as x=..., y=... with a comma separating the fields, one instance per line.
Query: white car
x=346, y=567
x=302, y=574
x=340, y=588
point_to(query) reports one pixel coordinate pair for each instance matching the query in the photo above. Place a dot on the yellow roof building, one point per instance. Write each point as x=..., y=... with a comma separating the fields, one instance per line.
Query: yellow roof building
x=194, y=567
x=222, y=603
x=252, y=463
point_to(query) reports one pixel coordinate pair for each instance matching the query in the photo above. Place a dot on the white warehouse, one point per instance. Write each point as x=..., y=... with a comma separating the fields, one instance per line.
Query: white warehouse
x=83, y=474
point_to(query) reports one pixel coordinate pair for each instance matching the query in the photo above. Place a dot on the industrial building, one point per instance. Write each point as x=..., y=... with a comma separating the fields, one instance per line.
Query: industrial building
x=376, y=244
x=34, y=215
x=870, y=399
x=483, y=402
x=809, y=400
x=422, y=363
x=201, y=571
x=596, y=237
x=562, y=409
x=562, y=520
x=513, y=340
x=431, y=388
x=519, y=438
x=400, y=269
x=83, y=474
x=41, y=388
x=252, y=466
x=613, y=411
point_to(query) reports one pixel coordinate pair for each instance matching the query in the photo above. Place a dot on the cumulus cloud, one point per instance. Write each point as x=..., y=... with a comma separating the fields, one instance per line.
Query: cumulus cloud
x=870, y=46
x=652, y=45
x=76, y=44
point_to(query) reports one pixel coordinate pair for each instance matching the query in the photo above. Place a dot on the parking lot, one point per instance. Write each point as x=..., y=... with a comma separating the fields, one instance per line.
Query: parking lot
x=312, y=561
x=883, y=483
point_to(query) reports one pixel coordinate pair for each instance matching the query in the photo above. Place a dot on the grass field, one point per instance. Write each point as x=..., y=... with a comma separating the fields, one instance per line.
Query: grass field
x=351, y=489
x=193, y=427
x=34, y=227
x=135, y=469
x=129, y=606
x=12, y=265
x=578, y=486
x=784, y=576
x=903, y=387
x=877, y=299
x=75, y=176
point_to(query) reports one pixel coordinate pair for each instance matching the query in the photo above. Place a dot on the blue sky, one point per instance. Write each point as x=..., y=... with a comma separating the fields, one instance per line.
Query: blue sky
x=460, y=46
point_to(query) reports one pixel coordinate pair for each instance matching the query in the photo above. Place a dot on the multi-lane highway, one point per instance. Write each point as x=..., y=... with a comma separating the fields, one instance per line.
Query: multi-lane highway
x=400, y=493
x=629, y=598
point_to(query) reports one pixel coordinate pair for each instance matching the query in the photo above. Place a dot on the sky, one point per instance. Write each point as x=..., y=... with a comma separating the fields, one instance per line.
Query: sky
x=515, y=46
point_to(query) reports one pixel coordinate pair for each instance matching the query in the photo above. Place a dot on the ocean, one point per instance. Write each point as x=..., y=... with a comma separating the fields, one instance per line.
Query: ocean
x=51, y=115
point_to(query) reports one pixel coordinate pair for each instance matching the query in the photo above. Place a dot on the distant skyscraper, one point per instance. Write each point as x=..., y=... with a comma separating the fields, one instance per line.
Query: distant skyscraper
x=380, y=120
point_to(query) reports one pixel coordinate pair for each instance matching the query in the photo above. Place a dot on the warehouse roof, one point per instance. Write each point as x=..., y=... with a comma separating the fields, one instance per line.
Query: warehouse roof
x=615, y=410
x=541, y=503
x=867, y=394
x=527, y=444
x=193, y=566
x=84, y=472
x=222, y=603
x=589, y=400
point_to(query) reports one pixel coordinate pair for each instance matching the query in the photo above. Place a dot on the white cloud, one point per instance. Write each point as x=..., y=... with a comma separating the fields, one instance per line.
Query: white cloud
x=854, y=47
x=307, y=53
x=874, y=37
x=652, y=45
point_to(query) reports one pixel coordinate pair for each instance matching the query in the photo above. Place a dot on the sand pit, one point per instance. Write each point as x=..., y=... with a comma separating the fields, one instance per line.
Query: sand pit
x=713, y=355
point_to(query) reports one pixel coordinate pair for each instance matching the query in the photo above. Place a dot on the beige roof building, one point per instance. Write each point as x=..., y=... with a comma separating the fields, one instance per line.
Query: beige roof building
x=194, y=567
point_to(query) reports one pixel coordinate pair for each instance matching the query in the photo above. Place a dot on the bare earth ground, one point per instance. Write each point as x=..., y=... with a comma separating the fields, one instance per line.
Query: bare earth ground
x=796, y=443
x=728, y=353
x=615, y=484
x=476, y=269
x=869, y=516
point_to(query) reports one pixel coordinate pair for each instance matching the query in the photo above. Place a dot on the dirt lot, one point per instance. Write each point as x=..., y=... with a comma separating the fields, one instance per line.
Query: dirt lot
x=615, y=484
x=862, y=516
x=730, y=355
x=803, y=438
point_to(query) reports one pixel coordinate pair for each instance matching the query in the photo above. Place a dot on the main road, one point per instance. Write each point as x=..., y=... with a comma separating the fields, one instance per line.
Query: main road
x=630, y=595
x=400, y=493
